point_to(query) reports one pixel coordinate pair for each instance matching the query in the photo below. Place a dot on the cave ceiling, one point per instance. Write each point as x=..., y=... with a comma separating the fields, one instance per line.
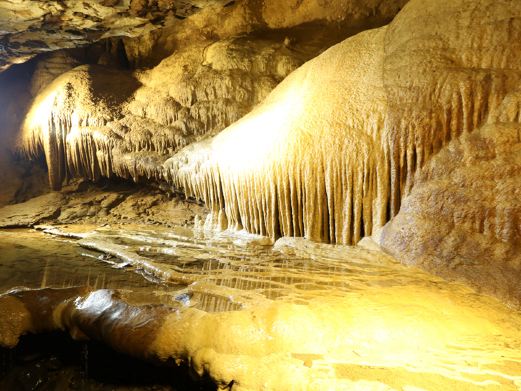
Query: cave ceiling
x=30, y=27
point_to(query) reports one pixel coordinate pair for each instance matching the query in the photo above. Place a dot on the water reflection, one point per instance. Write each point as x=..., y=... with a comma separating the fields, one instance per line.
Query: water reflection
x=34, y=260
x=346, y=314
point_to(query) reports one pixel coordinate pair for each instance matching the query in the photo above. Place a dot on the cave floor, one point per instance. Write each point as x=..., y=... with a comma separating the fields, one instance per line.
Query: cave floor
x=340, y=317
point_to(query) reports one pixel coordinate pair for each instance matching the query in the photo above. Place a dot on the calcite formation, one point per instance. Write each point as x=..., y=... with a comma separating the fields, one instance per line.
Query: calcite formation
x=463, y=215
x=330, y=154
x=94, y=121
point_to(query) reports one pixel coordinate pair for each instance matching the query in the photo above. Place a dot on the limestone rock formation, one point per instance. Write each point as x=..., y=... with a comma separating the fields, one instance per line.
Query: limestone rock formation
x=306, y=22
x=94, y=121
x=261, y=51
x=16, y=176
x=49, y=67
x=332, y=151
x=30, y=27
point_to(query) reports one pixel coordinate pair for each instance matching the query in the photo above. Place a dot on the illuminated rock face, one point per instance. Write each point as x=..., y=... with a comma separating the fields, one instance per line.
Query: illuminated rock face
x=276, y=37
x=93, y=121
x=333, y=150
x=312, y=18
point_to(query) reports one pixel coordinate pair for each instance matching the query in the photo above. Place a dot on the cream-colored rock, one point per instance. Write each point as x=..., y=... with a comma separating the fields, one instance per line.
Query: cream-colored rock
x=93, y=121
x=336, y=147
x=212, y=79
x=332, y=151
x=365, y=340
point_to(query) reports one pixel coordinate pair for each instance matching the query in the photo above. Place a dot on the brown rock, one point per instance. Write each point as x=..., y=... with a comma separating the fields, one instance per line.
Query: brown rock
x=31, y=212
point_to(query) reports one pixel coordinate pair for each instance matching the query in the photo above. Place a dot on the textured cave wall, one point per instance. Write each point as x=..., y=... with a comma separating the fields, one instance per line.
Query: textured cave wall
x=329, y=154
x=10, y=118
x=308, y=22
x=333, y=150
x=20, y=85
x=30, y=27
x=95, y=121
x=463, y=216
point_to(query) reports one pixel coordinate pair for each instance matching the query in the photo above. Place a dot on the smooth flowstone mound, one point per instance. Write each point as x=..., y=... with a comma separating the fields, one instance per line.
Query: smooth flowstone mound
x=333, y=150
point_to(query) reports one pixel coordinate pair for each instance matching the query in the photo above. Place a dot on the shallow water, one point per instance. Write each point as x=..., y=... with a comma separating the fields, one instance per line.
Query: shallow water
x=32, y=259
x=343, y=318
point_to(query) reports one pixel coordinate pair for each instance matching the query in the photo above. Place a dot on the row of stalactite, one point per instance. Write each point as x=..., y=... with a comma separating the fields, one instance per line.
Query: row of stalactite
x=335, y=187
x=339, y=194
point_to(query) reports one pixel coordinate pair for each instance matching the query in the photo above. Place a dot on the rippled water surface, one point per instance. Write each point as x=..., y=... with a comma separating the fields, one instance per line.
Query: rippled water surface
x=375, y=324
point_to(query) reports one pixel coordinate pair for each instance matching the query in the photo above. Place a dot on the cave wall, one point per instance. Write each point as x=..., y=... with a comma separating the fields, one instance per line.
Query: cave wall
x=462, y=217
x=308, y=22
x=31, y=27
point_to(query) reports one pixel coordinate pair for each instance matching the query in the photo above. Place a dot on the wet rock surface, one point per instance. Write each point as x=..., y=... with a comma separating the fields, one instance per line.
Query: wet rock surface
x=300, y=315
